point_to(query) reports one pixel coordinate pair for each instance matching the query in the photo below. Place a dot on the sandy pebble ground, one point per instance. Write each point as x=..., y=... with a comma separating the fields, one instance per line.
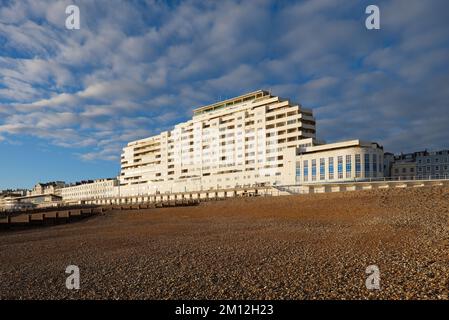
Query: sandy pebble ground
x=293, y=247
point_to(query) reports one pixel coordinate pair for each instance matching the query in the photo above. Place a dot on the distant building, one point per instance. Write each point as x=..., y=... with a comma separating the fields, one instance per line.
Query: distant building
x=13, y=204
x=388, y=162
x=404, y=166
x=13, y=192
x=433, y=164
x=90, y=190
x=421, y=165
x=42, y=200
x=9, y=199
x=53, y=187
x=18, y=201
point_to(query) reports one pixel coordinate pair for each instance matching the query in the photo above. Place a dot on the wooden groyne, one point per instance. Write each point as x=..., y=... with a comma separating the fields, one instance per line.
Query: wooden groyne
x=48, y=217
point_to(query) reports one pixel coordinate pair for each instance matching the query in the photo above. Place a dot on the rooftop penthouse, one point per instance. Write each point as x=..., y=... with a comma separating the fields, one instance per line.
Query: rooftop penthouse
x=252, y=96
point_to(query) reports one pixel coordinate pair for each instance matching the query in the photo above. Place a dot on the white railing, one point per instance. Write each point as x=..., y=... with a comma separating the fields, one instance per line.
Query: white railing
x=303, y=188
x=379, y=179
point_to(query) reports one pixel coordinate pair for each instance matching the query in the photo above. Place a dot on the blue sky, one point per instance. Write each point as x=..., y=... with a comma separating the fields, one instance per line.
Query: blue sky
x=71, y=99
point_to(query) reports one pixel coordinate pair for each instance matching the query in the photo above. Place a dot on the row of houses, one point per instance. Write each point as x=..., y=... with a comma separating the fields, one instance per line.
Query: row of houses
x=418, y=165
x=58, y=193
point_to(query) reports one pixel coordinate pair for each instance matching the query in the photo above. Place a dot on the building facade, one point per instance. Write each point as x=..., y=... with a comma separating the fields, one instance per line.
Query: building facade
x=53, y=187
x=14, y=204
x=342, y=161
x=13, y=192
x=434, y=164
x=404, y=166
x=42, y=201
x=421, y=165
x=388, y=162
x=235, y=142
x=250, y=140
x=90, y=190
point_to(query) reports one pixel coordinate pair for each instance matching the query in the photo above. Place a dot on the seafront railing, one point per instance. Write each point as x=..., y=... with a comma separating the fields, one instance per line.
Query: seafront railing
x=361, y=184
x=382, y=179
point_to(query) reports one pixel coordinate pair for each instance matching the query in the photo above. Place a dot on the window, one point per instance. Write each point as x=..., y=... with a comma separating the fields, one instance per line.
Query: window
x=331, y=168
x=348, y=166
x=374, y=165
x=340, y=167
x=313, y=169
x=368, y=166
x=322, y=172
x=306, y=170
x=298, y=169
x=358, y=167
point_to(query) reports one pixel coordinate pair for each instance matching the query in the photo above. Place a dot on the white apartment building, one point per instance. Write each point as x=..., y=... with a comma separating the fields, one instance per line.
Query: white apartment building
x=236, y=142
x=253, y=139
x=90, y=190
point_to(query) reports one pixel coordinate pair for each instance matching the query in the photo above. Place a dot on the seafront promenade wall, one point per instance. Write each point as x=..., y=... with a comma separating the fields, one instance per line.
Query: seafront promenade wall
x=270, y=191
x=360, y=185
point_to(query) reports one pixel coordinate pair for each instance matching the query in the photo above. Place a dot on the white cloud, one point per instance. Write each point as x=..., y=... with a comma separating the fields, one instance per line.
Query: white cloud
x=131, y=72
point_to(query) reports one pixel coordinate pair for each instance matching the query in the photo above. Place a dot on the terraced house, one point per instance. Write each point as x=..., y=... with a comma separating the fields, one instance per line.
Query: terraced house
x=253, y=139
x=433, y=164
x=90, y=190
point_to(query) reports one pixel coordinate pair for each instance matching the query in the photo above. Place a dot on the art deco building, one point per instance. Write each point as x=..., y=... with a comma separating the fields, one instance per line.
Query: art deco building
x=253, y=139
x=236, y=142
x=352, y=160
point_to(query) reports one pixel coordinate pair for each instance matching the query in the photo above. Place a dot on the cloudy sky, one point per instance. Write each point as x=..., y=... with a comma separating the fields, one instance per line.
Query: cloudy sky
x=71, y=99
